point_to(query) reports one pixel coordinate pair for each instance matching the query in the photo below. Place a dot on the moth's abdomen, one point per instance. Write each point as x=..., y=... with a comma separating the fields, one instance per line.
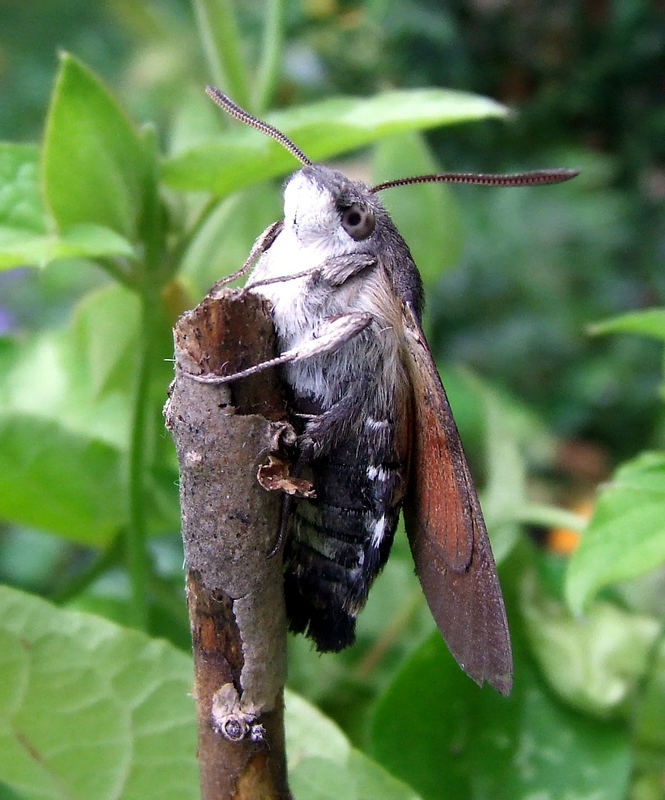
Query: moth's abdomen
x=338, y=542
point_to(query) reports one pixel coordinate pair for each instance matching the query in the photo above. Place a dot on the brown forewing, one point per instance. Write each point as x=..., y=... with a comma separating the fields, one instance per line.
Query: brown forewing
x=447, y=532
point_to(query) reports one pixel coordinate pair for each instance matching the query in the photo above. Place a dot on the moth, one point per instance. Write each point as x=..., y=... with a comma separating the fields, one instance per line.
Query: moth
x=375, y=430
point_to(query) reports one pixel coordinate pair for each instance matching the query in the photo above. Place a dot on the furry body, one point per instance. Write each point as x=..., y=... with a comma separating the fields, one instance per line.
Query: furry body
x=353, y=405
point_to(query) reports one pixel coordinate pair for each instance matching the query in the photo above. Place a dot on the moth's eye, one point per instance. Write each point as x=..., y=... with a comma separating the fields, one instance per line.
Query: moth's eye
x=357, y=222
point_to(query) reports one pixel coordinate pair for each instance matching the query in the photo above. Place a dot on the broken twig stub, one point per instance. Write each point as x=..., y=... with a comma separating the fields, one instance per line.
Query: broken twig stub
x=223, y=435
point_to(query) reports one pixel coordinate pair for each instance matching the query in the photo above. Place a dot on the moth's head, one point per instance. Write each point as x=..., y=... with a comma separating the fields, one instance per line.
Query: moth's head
x=323, y=206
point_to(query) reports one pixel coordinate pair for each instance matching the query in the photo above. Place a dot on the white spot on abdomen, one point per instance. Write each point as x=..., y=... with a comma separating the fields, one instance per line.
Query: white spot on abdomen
x=377, y=473
x=378, y=532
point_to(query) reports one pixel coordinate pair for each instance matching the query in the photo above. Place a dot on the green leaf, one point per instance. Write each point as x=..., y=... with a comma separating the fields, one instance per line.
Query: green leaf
x=95, y=164
x=453, y=740
x=59, y=481
x=650, y=715
x=193, y=121
x=104, y=334
x=9, y=794
x=505, y=488
x=324, y=129
x=221, y=40
x=62, y=446
x=426, y=215
x=65, y=410
x=89, y=709
x=24, y=236
x=625, y=536
x=648, y=322
x=21, y=206
x=594, y=662
x=18, y=248
x=80, y=378
x=324, y=766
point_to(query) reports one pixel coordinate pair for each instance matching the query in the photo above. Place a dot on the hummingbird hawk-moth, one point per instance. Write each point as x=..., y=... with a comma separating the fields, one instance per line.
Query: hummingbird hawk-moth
x=375, y=430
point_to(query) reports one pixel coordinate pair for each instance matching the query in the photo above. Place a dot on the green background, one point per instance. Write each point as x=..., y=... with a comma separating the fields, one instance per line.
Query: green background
x=124, y=194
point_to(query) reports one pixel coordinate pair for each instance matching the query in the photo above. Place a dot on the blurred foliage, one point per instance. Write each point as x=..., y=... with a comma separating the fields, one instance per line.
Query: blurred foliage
x=131, y=209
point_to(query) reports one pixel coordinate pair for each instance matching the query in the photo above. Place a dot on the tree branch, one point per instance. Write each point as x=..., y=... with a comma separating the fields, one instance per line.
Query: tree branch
x=229, y=525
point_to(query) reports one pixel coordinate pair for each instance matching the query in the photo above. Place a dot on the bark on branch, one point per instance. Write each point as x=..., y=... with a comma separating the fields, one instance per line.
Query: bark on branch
x=223, y=434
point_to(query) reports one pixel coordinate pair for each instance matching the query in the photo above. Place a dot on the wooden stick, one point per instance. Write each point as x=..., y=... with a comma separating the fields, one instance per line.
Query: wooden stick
x=223, y=434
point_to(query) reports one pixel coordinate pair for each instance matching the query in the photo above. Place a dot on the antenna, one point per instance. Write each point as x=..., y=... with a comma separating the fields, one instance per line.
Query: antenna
x=225, y=102
x=535, y=178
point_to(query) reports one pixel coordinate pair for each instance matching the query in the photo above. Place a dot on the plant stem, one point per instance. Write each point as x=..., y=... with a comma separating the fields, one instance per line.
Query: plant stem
x=221, y=42
x=178, y=252
x=137, y=556
x=273, y=39
x=114, y=267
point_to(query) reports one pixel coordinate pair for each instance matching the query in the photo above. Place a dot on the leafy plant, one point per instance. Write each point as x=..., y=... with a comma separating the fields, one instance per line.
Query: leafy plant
x=84, y=457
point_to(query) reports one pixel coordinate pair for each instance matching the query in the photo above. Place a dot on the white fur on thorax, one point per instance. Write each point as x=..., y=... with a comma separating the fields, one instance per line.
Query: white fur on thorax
x=311, y=234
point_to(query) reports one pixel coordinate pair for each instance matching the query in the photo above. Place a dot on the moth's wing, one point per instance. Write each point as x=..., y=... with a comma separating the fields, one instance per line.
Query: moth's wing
x=447, y=532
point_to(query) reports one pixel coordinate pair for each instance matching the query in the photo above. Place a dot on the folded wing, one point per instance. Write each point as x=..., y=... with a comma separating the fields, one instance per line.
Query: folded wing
x=447, y=532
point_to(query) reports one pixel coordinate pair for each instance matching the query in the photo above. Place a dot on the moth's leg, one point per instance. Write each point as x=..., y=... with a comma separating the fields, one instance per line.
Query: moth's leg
x=287, y=504
x=260, y=246
x=336, y=270
x=325, y=431
x=280, y=279
x=331, y=335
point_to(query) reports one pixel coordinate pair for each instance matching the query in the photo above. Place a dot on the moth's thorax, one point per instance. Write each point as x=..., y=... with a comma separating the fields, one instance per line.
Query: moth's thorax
x=313, y=233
